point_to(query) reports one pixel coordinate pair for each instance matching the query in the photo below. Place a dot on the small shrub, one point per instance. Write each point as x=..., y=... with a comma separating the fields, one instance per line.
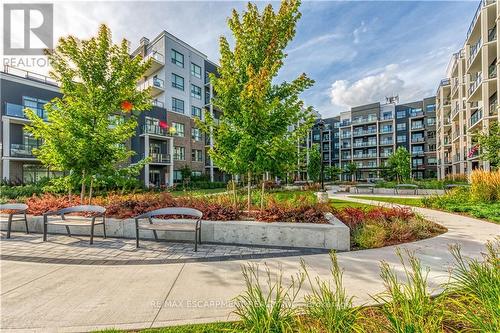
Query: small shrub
x=475, y=290
x=331, y=309
x=269, y=307
x=485, y=185
x=407, y=305
x=369, y=236
x=291, y=212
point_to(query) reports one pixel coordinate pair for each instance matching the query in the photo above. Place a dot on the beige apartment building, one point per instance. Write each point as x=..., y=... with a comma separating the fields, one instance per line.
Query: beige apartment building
x=467, y=100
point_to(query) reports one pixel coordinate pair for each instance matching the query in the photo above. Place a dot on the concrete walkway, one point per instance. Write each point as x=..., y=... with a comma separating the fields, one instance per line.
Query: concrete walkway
x=53, y=297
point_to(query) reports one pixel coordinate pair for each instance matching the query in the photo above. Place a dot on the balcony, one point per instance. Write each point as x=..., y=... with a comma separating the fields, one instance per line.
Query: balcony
x=29, y=75
x=417, y=152
x=476, y=117
x=386, y=143
x=416, y=114
x=386, y=130
x=364, y=144
x=160, y=158
x=158, y=103
x=492, y=34
x=417, y=126
x=156, y=85
x=492, y=71
x=362, y=156
x=493, y=108
x=417, y=139
x=16, y=110
x=345, y=135
x=346, y=157
x=157, y=62
x=345, y=123
x=155, y=130
x=363, y=120
x=364, y=132
x=387, y=117
x=346, y=147
x=476, y=82
x=386, y=154
x=22, y=150
x=444, y=82
x=474, y=50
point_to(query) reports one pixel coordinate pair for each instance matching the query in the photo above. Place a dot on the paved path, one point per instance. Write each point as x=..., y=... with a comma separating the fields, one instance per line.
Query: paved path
x=55, y=297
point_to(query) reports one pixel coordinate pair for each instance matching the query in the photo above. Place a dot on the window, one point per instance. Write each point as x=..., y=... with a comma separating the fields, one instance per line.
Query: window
x=195, y=111
x=400, y=114
x=316, y=137
x=177, y=58
x=36, y=105
x=401, y=138
x=432, y=147
x=177, y=105
x=195, y=91
x=431, y=121
x=177, y=81
x=431, y=161
x=196, y=70
x=179, y=153
x=196, y=173
x=401, y=126
x=196, y=155
x=196, y=134
x=431, y=134
x=431, y=107
x=177, y=175
x=33, y=173
x=179, y=129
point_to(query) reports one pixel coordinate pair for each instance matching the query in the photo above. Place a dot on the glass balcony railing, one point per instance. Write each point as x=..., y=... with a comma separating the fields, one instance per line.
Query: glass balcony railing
x=155, y=130
x=417, y=114
x=476, y=117
x=345, y=123
x=364, y=132
x=492, y=34
x=345, y=135
x=156, y=56
x=160, y=158
x=417, y=126
x=475, y=83
x=386, y=142
x=474, y=49
x=158, y=103
x=492, y=71
x=365, y=144
x=362, y=120
x=22, y=150
x=417, y=139
x=385, y=154
x=386, y=130
x=16, y=110
x=493, y=108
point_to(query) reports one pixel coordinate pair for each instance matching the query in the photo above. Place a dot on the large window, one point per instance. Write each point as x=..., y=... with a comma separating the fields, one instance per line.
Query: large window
x=177, y=105
x=401, y=138
x=196, y=111
x=179, y=153
x=401, y=126
x=179, y=129
x=196, y=70
x=177, y=58
x=177, y=175
x=401, y=114
x=196, y=134
x=195, y=91
x=196, y=155
x=177, y=81
x=36, y=105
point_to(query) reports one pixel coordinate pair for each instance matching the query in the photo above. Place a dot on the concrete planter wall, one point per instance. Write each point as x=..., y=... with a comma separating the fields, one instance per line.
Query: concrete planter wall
x=334, y=235
x=352, y=189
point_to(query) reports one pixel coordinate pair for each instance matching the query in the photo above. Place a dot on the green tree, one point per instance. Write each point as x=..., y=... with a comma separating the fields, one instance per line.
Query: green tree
x=186, y=173
x=253, y=136
x=332, y=172
x=351, y=169
x=489, y=143
x=314, y=164
x=88, y=126
x=399, y=163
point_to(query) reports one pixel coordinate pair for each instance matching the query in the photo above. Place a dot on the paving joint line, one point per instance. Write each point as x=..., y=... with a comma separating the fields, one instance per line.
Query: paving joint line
x=22, y=285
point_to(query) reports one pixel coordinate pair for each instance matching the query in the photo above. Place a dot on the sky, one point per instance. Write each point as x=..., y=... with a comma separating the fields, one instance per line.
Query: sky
x=356, y=51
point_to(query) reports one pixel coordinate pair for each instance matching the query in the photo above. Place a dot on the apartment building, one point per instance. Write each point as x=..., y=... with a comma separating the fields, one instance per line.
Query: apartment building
x=466, y=99
x=368, y=134
x=180, y=88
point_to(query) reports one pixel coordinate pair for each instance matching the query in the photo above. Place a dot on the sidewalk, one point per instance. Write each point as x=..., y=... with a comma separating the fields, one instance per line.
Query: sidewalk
x=54, y=297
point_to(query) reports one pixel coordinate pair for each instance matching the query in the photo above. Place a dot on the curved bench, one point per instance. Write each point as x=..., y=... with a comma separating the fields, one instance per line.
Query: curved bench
x=369, y=186
x=406, y=186
x=97, y=212
x=182, y=226
x=15, y=209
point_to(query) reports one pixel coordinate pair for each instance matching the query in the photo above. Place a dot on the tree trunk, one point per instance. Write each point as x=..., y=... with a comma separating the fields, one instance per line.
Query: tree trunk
x=82, y=191
x=262, y=192
x=90, y=189
x=249, y=183
x=234, y=190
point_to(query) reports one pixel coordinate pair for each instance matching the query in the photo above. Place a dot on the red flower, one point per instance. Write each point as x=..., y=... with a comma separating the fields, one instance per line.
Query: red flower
x=127, y=106
x=163, y=124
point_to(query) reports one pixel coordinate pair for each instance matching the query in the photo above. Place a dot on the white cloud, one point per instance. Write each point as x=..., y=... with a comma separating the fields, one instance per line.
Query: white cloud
x=369, y=89
x=359, y=31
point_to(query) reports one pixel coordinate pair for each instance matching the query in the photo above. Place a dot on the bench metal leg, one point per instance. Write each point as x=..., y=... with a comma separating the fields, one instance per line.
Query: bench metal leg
x=199, y=235
x=26, y=223
x=91, y=234
x=136, y=238
x=44, y=231
x=195, y=242
x=104, y=229
x=155, y=234
x=9, y=225
x=67, y=230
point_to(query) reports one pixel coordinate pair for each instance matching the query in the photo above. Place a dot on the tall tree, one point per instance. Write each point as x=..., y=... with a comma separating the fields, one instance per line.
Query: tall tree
x=332, y=172
x=351, y=169
x=88, y=126
x=314, y=163
x=254, y=134
x=489, y=143
x=400, y=164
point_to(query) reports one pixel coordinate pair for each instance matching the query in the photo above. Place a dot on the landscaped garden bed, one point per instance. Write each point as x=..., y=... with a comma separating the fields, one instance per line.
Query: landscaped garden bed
x=288, y=218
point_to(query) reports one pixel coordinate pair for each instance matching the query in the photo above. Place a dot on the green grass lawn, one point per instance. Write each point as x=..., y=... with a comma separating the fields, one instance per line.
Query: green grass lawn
x=339, y=204
x=417, y=202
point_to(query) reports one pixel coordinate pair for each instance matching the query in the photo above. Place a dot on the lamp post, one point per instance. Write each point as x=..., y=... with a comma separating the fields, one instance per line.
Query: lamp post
x=321, y=126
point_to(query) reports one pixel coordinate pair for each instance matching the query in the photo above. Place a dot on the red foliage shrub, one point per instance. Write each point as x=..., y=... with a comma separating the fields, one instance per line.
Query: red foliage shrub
x=354, y=217
x=50, y=202
x=298, y=213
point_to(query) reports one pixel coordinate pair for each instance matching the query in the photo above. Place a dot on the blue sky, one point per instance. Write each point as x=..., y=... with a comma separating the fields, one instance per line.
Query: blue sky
x=356, y=51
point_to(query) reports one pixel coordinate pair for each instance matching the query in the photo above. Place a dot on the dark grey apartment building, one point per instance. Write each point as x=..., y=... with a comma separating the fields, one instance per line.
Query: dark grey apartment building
x=368, y=134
